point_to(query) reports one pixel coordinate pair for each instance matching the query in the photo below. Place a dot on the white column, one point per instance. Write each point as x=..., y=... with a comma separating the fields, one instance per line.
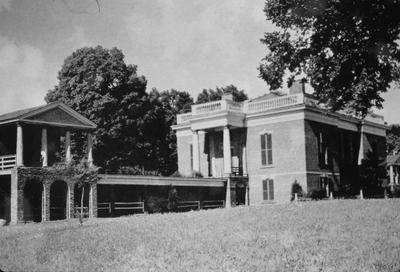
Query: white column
x=361, y=149
x=14, y=203
x=212, y=155
x=43, y=151
x=44, y=206
x=227, y=152
x=247, y=200
x=91, y=202
x=228, y=201
x=196, y=153
x=20, y=146
x=68, y=208
x=68, y=157
x=90, y=149
x=244, y=161
x=391, y=174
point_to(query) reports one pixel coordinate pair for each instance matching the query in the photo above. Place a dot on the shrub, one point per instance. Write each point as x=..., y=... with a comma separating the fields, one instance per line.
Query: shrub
x=176, y=174
x=196, y=174
x=317, y=194
x=156, y=204
x=296, y=189
x=395, y=193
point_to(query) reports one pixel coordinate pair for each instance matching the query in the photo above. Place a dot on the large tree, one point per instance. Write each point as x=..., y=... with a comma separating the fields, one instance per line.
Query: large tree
x=347, y=49
x=393, y=139
x=97, y=83
x=168, y=104
x=212, y=95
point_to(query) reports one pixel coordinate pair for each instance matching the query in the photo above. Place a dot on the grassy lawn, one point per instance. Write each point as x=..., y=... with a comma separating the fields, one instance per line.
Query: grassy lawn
x=338, y=235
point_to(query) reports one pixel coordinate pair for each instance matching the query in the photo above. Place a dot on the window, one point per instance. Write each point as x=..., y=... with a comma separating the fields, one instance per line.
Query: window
x=268, y=189
x=266, y=149
x=323, y=153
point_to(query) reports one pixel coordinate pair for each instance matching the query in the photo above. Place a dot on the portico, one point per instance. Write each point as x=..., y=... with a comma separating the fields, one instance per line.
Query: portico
x=31, y=142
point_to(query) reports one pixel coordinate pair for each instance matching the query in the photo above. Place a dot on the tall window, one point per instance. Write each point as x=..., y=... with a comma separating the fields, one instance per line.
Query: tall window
x=266, y=149
x=323, y=152
x=268, y=189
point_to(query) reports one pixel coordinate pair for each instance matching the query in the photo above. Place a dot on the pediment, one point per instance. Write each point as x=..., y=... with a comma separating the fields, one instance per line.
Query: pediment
x=59, y=115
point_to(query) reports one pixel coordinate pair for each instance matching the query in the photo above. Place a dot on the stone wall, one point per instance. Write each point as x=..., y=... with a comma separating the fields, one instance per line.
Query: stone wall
x=46, y=177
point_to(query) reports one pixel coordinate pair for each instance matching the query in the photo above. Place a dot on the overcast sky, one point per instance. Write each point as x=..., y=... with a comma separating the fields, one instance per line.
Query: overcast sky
x=188, y=45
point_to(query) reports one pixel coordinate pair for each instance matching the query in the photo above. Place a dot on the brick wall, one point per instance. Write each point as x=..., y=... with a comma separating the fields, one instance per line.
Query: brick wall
x=288, y=153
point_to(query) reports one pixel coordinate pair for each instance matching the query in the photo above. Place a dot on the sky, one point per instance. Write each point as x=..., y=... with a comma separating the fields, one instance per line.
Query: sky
x=188, y=45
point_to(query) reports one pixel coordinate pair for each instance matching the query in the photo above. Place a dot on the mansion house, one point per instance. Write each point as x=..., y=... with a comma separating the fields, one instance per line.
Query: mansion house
x=265, y=145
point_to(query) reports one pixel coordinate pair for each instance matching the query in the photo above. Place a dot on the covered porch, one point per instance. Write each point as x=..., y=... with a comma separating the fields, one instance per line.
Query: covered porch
x=31, y=142
x=41, y=136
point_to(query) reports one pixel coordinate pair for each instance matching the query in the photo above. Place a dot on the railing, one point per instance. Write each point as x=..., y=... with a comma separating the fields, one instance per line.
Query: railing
x=8, y=162
x=129, y=206
x=183, y=118
x=209, y=107
x=192, y=205
x=211, y=204
x=78, y=211
x=237, y=171
x=242, y=107
x=104, y=206
x=274, y=103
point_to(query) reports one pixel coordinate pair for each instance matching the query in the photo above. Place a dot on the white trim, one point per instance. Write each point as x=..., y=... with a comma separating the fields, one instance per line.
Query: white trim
x=56, y=124
x=5, y=172
x=268, y=119
x=273, y=175
x=184, y=132
x=160, y=181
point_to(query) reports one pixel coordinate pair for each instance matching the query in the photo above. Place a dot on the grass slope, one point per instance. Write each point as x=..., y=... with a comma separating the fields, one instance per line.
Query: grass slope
x=348, y=235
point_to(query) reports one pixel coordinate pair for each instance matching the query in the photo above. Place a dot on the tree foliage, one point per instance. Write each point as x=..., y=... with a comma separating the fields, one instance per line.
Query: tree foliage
x=348, y=50
x=213, y=95
x=393, y=139
x=168, y=104
x=97, y=83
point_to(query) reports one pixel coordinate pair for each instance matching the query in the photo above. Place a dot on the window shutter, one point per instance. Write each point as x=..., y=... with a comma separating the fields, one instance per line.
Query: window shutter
x=262, y=137
x=271, y=189
x=269, y=141
x=265, y=189
x=263, y=150
x=269, y=148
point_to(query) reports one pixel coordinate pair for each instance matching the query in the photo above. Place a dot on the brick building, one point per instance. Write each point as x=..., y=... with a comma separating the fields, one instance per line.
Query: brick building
x=266, y=144
x=30, y=143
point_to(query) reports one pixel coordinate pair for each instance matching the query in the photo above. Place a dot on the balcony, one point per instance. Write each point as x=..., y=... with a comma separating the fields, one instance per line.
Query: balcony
x=266, y=105
x=8, y=162
x=245, y=107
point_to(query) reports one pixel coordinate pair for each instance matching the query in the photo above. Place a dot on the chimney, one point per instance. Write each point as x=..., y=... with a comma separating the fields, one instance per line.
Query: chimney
x=297, y=87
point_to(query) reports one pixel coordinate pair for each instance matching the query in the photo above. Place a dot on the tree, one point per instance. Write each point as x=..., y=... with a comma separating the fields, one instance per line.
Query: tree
x=213, y=95
x=373, y=173
x=348, y=50
x=168, y=104
x=97, y=83
x=393, y=139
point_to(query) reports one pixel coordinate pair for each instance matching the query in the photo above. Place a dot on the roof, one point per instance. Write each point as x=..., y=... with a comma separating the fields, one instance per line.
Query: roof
x=19, y=113
x=52, y=114
x=393, y=159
